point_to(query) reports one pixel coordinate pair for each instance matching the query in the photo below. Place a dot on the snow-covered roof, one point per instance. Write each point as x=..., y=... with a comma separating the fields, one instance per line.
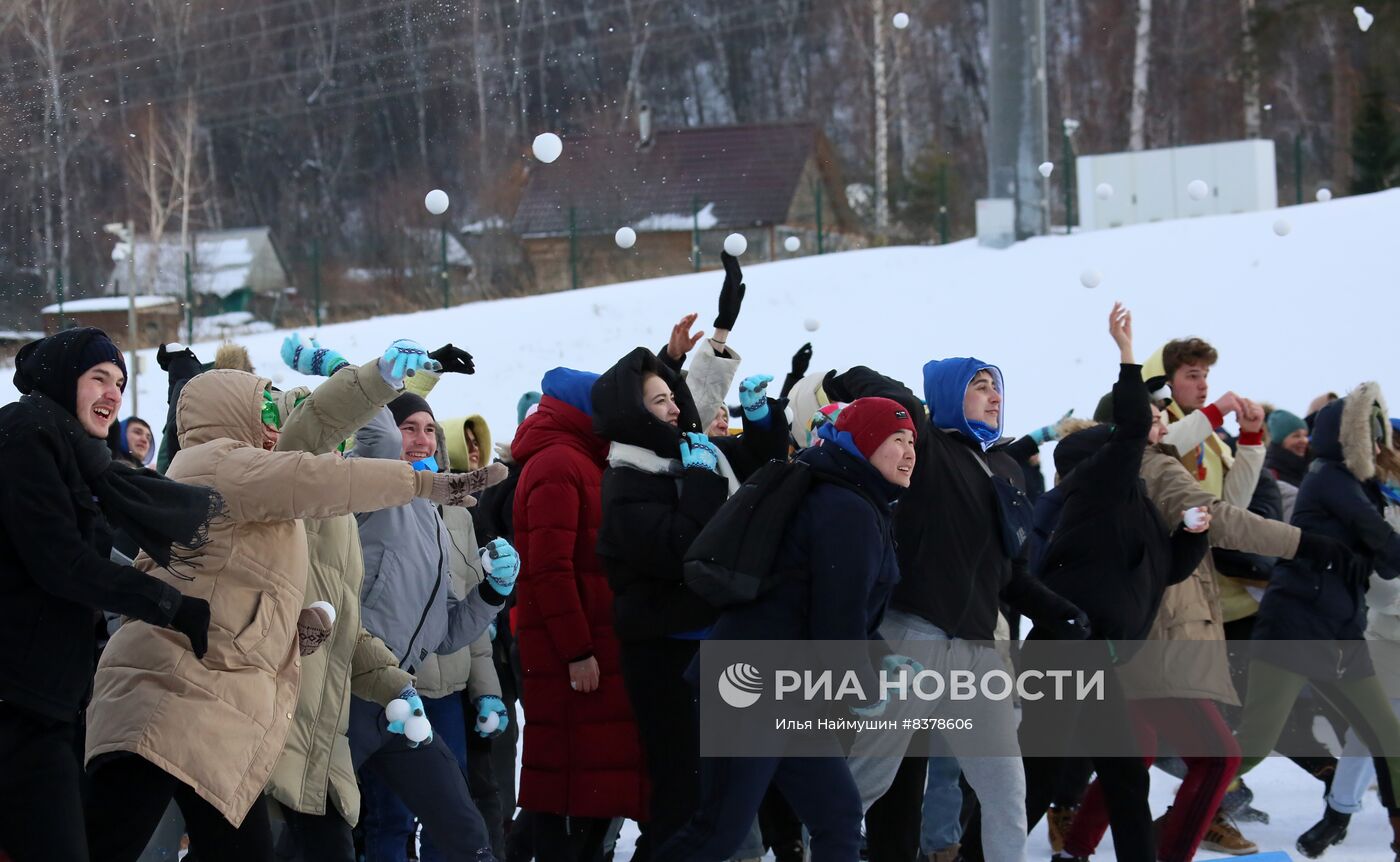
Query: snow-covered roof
x=430, y=240
x=106, y=303
x=222, y=261
x=19, y=335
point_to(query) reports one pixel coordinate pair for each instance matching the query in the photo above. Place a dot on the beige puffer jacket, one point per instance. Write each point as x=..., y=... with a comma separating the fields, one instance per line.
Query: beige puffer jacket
x=315, y=769
x=219, y=724
x=1190, y=610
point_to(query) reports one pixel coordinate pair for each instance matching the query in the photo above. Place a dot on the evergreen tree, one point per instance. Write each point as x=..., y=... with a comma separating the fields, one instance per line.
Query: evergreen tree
x=1375, y=151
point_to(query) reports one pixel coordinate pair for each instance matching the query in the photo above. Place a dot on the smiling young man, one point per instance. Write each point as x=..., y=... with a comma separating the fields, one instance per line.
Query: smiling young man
x=54, y=572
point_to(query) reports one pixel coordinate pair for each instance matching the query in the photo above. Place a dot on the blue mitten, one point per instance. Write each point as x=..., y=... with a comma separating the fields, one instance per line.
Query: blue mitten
x=491, y=718
x=406, y=717
x=698, y=451
x=892, y=664
x=502, y=565
x=753, y=397
x=1047, y=433
x=309, y=357
x=404, y=358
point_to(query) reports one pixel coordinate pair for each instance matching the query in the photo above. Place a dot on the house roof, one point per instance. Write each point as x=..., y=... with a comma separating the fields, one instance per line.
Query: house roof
x=221, y=263
x=106, y=303
x=739, y=176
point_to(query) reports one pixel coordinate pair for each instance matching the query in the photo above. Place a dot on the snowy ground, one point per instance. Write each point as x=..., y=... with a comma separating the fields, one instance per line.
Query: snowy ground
x=1292, y=316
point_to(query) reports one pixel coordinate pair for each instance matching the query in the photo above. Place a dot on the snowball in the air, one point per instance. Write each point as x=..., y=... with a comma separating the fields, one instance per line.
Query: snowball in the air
x=1324, y=195
x=736, y=244
x=1282, y=227
x=488, y=723
x=812, y=324
x=327, y=607
x=1090, y=278
x=1047, y=168
x=1104, y=191
x=436, y=201
x=547, y=147
x=792, y=243
x=625, y=237
x=1199, y=190
x=901, y=20
x=1364, y=19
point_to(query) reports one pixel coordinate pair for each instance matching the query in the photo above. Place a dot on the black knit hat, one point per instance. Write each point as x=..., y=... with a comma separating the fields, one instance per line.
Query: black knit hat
x=53, y=365
x=406, y=405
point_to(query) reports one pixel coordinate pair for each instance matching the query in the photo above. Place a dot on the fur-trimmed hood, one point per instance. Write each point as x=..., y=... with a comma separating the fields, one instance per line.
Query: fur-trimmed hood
x=234, y=357
x=1342, y=432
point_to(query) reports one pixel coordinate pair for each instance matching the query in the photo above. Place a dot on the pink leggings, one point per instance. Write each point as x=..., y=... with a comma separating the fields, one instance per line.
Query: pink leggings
x=1185, y=725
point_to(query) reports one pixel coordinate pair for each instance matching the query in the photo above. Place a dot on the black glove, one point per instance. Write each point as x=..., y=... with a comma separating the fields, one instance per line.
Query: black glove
x=731, y=296
x=1324, y=552
x=802, y=360
x=1073, y=629
x=164, y=356
x=454, y=360
x=192, y=620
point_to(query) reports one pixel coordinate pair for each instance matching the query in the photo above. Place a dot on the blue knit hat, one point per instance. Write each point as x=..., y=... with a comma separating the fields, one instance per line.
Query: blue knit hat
x=1282, y=423
x=528, y=400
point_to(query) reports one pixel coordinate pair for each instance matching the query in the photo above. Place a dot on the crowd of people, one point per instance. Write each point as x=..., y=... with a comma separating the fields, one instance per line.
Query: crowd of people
x=310, y=621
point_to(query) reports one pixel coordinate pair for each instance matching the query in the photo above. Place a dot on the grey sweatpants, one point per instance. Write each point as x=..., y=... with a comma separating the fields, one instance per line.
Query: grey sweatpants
x=1000, y=782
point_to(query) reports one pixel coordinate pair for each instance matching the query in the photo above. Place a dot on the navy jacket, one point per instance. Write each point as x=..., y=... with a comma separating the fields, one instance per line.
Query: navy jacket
x=840, y=551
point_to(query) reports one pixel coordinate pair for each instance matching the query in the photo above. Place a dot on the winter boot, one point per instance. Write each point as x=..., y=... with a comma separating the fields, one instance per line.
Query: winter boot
x=1331, y=829
x=1224, y=837
x=790, y=852
x=1237, y=804
x=947, y=854
x=1058, y=819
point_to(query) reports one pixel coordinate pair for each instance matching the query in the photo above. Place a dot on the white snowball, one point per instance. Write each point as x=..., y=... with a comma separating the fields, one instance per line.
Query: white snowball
x=1199, y=190
x=1364, y=19
x=736, y=244
x=901, y=20
x=792, y=243
x=1194, y=518
x=1324, y=195
x=174, y=347
x=417, y=729
x=488, y=723
x=1046, y=169
x=547, y=147
x=327, y=607
x=1282, y=227
x=436, y=201
x=1104, y=191
x=1091, y=278
x=625, y=237
x=812, y=324
x=398, y=710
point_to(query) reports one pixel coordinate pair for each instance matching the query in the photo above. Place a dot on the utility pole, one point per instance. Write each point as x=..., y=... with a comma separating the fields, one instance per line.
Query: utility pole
x=882, y=123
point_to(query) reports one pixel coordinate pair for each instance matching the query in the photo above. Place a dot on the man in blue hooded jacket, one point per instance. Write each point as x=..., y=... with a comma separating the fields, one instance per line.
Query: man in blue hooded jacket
x=960, y=537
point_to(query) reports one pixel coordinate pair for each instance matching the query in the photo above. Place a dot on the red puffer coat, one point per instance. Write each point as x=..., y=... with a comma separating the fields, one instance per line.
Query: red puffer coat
x=582, y=756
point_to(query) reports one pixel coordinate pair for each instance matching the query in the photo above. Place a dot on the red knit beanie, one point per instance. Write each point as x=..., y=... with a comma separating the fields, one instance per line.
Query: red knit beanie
x=871, y=421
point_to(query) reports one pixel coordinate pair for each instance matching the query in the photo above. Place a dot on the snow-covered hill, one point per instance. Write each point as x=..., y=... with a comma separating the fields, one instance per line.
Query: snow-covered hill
x=1292, y=316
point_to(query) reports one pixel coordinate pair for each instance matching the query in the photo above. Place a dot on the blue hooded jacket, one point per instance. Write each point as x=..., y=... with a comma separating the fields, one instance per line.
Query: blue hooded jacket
x=574, y=388
x=945, y=385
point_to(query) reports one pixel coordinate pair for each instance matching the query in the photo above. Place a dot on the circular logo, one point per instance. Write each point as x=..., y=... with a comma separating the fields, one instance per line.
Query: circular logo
x=741, y=685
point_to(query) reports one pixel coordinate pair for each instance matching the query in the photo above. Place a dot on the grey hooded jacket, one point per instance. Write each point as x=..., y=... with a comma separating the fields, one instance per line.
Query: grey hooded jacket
x=407, y=599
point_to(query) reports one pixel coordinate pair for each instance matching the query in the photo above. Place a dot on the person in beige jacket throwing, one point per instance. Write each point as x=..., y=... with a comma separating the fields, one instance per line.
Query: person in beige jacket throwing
x=207, y=731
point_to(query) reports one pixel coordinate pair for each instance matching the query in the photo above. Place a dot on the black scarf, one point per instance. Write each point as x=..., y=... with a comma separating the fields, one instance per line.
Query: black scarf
x=168, y=520
x=1286, y=466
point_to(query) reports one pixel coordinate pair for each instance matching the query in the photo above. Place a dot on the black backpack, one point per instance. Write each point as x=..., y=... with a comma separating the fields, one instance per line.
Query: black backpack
x=731, y=561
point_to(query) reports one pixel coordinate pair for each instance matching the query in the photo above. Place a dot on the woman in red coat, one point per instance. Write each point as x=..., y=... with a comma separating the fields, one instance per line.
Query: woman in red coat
x=582, y=764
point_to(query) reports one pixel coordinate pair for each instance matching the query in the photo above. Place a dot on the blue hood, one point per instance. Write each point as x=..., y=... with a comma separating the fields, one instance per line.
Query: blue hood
x=945, y=385
x=574, y=388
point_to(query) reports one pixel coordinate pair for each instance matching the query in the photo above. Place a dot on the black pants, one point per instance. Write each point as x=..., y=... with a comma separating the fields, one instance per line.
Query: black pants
x=428, y=779
x=315, y=837
x=667, y=714
x=892, y=823
x=41, y=817
x=568, y=839
x=129, y=797
x=481, y=778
